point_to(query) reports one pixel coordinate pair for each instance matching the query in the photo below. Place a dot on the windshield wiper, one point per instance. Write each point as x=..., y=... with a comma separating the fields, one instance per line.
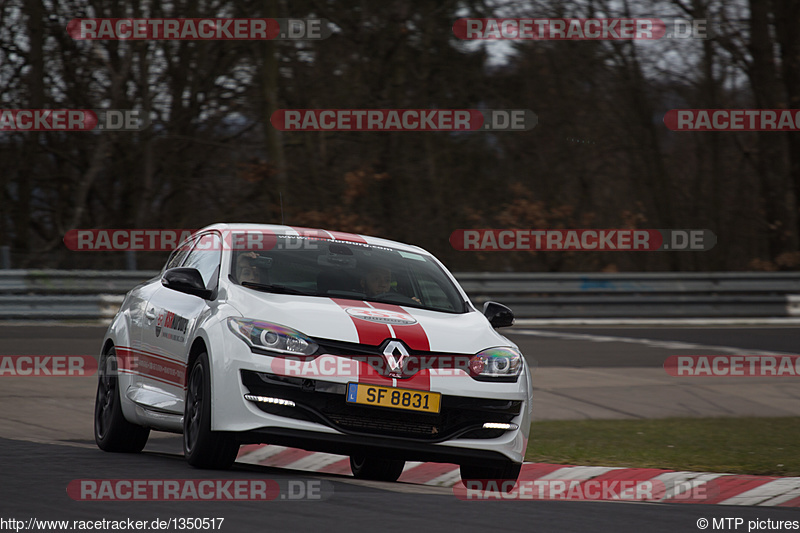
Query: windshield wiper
x=277, y=289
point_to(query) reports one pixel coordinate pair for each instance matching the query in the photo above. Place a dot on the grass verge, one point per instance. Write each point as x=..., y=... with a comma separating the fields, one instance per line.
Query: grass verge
x=762, y=446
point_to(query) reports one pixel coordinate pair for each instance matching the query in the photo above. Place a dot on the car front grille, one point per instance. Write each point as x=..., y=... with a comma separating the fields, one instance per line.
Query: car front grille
x=327, y=346
x=385, y=425
x=373, y=355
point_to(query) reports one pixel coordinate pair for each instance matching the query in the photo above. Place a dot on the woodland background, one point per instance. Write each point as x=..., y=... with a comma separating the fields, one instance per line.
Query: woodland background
x=600, y=156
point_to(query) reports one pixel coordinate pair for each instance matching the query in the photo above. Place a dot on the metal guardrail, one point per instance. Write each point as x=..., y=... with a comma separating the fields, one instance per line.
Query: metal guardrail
x=59, y=307
x=71, y=281
x=65, y=294
x=639, y=295
x=91, y=295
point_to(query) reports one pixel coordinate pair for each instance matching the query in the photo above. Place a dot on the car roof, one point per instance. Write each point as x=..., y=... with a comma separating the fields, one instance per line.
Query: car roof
x=317, y=233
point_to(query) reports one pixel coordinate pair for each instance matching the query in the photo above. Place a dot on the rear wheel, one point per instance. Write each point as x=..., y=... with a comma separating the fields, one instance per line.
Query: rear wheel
x=112, y=432
x=504, y=474
x=376, y=468
x=202, y=447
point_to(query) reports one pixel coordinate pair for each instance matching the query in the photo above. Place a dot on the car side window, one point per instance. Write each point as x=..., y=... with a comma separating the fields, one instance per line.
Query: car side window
x=205, y=257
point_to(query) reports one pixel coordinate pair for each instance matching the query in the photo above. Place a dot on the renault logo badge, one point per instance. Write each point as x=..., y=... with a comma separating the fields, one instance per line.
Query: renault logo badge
x=395, y=354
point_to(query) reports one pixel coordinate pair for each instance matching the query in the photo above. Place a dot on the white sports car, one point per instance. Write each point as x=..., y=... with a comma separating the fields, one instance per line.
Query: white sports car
x=314, y=339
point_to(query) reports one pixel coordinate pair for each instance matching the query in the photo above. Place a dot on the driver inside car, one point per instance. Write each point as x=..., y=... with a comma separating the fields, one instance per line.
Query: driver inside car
x=246, y=269
x=377, y=281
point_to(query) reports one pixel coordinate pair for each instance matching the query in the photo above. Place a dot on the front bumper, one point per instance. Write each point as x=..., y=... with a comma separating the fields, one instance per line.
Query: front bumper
x=325, y=422
x=341, y=444
x=323, y=402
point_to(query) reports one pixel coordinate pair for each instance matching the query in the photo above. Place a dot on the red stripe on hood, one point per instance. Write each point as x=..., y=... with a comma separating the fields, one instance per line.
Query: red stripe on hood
x=368, y=374
x=374, y=333
x=415, y=337
x=371, y=333
x=419, y=381
x=412, y=334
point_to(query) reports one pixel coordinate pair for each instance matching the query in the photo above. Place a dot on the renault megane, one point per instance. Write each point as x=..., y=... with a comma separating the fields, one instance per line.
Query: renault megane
x=315, y=339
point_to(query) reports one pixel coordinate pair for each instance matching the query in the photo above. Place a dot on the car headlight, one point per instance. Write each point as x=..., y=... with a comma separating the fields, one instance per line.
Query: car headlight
x=496, y=364
x=269, y=337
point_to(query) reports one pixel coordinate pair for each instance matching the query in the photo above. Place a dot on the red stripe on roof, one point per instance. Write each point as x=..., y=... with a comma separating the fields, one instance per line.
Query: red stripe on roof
x=351, y=237
x=311, y=232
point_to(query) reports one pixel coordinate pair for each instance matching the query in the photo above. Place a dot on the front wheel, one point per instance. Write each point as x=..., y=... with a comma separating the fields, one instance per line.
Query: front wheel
x=202, y=447
x=376, y=468
x=112, y=432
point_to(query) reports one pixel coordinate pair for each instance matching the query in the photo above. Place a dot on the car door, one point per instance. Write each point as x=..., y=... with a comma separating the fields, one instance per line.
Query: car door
x=170, y=320
x=131, y=355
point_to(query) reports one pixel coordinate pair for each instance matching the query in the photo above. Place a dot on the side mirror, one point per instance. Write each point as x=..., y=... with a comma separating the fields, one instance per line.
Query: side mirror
x=499, y=315
x=186, y=280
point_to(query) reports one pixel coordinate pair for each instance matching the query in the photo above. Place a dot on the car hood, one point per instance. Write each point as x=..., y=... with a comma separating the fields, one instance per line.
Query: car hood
x=370, y=323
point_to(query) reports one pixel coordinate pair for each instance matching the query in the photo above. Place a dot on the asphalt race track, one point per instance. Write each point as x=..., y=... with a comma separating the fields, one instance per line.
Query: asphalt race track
x=46, y=442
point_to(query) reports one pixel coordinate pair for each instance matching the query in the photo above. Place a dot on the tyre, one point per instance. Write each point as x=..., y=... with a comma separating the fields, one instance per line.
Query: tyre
x=505, y=474
x=112, y=432
x=376, y=468
x=202, y=447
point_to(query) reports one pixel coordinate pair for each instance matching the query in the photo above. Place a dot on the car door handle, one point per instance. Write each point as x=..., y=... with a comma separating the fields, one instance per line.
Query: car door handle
x=151, y=314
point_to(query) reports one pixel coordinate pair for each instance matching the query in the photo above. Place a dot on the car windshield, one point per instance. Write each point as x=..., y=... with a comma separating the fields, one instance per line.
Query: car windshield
x=336, y=269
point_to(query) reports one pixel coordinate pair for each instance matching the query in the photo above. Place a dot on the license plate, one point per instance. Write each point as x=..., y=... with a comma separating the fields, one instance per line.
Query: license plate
x=413, y=400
